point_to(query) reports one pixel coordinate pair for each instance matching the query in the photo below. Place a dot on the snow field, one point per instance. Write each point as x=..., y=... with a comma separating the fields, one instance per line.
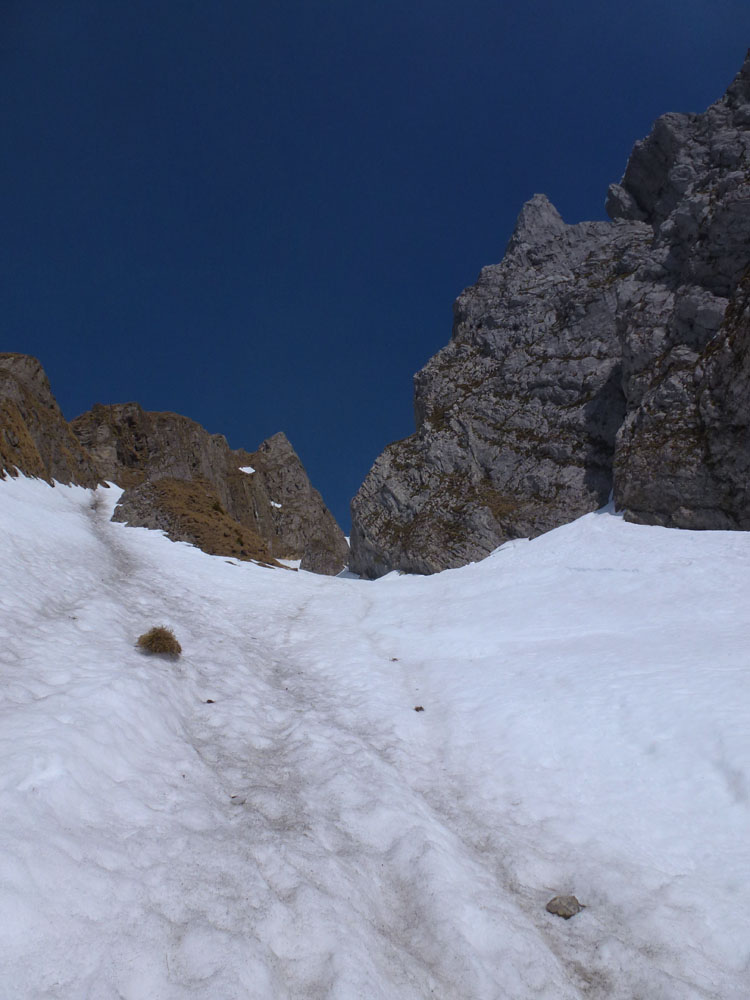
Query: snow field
x=585, y=730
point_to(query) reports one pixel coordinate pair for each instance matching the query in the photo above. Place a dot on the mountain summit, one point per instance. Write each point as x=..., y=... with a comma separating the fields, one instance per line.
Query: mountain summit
x=597, y=357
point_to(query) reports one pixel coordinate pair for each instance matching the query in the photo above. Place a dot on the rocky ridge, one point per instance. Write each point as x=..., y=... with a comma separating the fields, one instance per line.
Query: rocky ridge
x=275, y=500
x=177, y=477
x=597, y=357
x=34, y=436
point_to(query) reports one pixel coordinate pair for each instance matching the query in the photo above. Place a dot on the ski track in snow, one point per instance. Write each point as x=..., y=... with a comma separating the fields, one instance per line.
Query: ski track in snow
x=308, y=834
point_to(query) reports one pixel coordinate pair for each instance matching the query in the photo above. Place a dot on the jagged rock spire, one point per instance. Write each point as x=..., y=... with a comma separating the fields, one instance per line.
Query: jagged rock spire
x=537, y=222
x=593, y=356
x=738, y=92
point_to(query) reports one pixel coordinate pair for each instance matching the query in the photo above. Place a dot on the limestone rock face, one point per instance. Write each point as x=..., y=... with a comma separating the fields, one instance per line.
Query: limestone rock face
x=685, y=328
x=177, y=476
x=684, y=458
x=517, y=416
x=130, y=445
x=34, y=436
x=275, y=501
x=190, y=511
x=593, y=357
x=300, y=520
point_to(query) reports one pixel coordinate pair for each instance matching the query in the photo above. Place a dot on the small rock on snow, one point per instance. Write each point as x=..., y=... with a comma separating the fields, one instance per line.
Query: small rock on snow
x=564, y=906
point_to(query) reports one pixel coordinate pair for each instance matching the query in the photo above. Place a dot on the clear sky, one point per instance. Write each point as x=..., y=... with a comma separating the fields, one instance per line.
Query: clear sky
x=259, y=214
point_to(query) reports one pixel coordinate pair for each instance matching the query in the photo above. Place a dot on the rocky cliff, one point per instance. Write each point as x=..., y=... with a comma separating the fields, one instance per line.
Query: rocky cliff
x=177, y=477
x=594, y=357
x=34, y=436
x=266, y=491
x=684, y=320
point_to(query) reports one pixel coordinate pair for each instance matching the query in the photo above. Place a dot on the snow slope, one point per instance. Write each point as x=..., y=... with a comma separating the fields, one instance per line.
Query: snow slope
x=306, y=833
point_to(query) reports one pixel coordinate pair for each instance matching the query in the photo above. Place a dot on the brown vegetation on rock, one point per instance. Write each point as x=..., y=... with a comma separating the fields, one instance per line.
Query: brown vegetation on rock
x=277, y=501
x=35, y=439
x=192, y=477
x=190, y=511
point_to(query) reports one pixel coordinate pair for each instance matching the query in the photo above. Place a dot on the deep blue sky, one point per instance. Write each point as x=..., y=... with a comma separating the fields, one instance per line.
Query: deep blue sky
x=259, y=214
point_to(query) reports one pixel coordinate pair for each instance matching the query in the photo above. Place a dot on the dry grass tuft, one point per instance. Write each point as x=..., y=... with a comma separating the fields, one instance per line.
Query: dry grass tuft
x=159, y=640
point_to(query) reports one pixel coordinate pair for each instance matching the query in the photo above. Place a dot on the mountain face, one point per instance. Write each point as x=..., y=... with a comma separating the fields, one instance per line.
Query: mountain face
x=140, y=450
x=34, y=436
x=598, y=357
x=177, y=477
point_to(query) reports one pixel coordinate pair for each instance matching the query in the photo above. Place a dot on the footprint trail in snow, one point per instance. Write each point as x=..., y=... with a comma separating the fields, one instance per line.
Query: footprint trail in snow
x=269, y=817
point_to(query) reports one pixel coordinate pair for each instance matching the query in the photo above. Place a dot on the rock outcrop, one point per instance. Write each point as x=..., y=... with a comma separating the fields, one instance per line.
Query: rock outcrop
x=684, y=321
x=598, y=356
x=272, y=497
x=517, y=416
x=189, y=510
x=35, y=438
x=298, y=522
x=177, y=477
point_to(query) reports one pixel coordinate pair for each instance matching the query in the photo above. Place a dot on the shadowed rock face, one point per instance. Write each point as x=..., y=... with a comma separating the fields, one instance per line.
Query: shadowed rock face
x=683, y=445
x=684, y=457
x=276, y=501
x=592, y=357
x=35, y=438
